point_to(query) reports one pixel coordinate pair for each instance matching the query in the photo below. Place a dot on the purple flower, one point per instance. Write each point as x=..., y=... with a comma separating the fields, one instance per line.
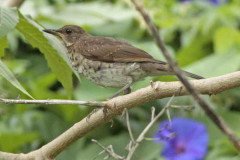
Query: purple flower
x=214, y=2
x=184, y=140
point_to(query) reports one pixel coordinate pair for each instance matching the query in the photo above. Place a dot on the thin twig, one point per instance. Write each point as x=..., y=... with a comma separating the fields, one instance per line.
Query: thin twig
x=152, y=113
x=211, y=114
x=109, y=150
x=129, y=127
x=152, y=139
x=142, y=135
x=52, y=101
x=169, y=116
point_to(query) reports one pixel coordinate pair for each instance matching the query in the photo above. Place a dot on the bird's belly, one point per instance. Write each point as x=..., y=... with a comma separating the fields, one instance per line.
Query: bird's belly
x=114, y=75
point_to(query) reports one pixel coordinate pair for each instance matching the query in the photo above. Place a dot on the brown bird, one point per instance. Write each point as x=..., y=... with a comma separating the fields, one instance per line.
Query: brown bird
x=109, y=62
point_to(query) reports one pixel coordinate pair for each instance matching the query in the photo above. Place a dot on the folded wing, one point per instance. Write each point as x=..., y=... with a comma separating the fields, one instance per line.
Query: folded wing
x=113, y=50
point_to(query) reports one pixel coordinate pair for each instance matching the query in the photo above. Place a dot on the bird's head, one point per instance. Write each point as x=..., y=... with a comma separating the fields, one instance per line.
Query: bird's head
x=69, y=33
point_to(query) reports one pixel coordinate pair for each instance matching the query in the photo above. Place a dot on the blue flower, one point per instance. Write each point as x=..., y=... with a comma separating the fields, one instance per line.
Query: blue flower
x=184, y=139
x=214, y=2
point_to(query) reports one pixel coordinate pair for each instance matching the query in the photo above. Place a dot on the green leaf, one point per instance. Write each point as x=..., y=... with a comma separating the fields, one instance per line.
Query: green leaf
x=194, y=51
x=217, y=64
x=3, y=45
x=225, y=39
x=20, y=139
x=7, y=74
x=90, y=91
x=218, y=139
x=51, y=47
x=148, y=150
x=89, y=13
x=8, y=20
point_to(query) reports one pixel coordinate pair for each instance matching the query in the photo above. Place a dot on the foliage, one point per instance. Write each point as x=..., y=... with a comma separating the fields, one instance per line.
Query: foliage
x=204, y=39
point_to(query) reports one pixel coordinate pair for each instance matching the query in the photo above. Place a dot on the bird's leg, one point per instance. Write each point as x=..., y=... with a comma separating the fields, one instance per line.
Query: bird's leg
x=125, y=89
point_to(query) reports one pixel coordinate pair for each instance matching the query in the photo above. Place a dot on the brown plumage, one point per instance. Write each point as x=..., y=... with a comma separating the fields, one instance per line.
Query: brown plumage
x=112, y=50
x=109, y=62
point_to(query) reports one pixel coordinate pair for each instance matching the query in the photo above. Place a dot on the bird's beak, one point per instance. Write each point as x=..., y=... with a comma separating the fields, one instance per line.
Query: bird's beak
x=52, y=31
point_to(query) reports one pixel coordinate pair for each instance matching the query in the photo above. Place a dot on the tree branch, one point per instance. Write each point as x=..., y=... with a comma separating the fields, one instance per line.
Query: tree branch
x=116, y=106
x=52, y=101
x=190, y=88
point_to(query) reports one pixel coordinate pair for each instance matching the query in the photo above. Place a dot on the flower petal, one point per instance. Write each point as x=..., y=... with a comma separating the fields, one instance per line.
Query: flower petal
x=190, y=142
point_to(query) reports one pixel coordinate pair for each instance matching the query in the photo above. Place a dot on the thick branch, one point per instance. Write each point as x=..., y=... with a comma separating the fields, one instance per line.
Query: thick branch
x=210, y=113
x=156, y=90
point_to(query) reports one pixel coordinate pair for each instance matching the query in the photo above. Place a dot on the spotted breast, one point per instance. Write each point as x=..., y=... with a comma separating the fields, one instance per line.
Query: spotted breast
x=114, y=75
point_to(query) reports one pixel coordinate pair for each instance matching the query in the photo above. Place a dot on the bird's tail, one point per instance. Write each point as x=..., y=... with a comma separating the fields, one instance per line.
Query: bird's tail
x=162, y=68
x=188, y=74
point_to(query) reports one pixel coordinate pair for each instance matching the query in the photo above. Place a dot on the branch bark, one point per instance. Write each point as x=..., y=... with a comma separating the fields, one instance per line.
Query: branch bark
x=156, y=90
x=52, y=101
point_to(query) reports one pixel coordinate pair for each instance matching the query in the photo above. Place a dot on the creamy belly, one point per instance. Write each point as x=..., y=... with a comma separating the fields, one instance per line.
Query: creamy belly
x=114, y=75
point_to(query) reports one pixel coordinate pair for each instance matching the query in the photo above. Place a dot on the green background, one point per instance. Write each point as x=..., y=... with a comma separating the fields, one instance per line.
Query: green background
x=203, y=38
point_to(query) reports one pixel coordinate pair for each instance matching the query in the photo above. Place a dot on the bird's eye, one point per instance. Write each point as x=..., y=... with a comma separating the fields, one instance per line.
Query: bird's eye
x=68, y=31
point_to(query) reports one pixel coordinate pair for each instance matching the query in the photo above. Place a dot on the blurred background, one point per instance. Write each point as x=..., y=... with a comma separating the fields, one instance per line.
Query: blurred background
x=202, y=35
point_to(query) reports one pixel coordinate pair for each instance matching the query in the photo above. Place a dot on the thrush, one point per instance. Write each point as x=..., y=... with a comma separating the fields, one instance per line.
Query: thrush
x=110, y=62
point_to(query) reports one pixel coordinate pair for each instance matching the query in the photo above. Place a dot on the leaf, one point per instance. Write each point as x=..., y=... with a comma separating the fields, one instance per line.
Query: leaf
x=20, y=139
x=7, y=74
x=3, y=45
x=225, y=39
x=217, y=64
x=8, y=20
x=218, y=139
x=148, y=150
x=194, y=51
x=52, y=49
x=89, y=91
x=89, y=13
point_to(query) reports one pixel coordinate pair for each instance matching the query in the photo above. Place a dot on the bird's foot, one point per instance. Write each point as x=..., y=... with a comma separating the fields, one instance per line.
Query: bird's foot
x=126, y=90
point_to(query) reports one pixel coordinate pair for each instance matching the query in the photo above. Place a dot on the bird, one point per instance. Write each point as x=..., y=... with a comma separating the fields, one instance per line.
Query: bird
x=110, y=62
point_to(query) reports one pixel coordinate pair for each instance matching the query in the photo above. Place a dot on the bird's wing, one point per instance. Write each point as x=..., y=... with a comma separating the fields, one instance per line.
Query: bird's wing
x=113, y=50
